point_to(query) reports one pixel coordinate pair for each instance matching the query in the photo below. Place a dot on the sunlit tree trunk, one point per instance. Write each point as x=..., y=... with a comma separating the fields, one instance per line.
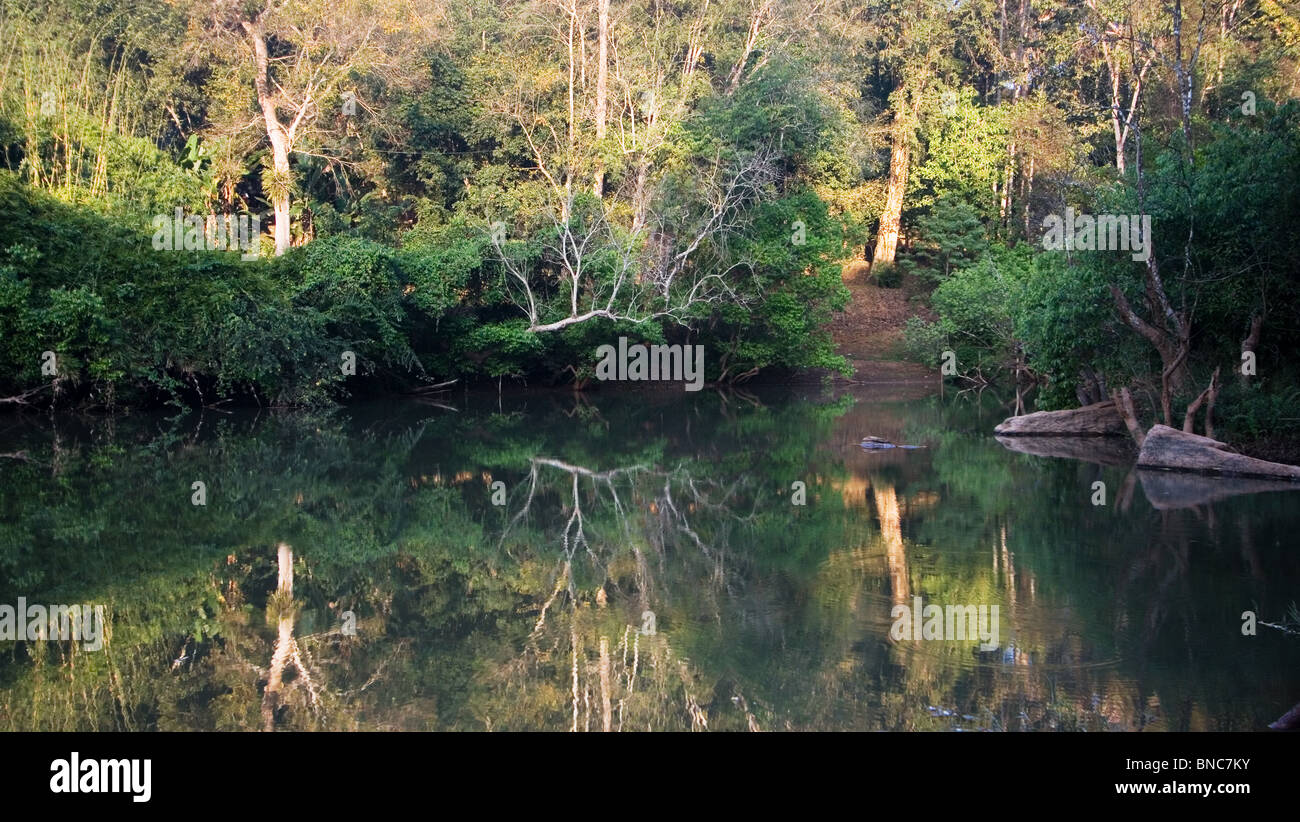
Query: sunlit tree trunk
x=569, y=159
x=751, y=43
x=1169, y=330
x=1008, y=183
x=276, y=133
x=602, y=88
x=891, y=217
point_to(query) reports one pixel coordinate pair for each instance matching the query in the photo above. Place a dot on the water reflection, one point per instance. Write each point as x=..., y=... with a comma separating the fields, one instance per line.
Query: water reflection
x=648, y=567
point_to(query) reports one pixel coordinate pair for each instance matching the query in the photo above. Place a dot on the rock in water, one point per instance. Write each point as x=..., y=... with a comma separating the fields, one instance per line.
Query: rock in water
x=877, y=442
x=1098, y=420
x=1173, y=450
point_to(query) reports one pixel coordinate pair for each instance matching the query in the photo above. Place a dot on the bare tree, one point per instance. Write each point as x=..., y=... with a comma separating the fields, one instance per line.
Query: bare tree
x=1112, y=41
x=642, y=273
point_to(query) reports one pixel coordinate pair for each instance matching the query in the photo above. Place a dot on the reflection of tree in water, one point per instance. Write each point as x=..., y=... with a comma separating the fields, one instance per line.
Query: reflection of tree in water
x=891, y=534
x=766, y=614
x=386, y=524
x=1040, y=677
x=1157, y=593
x=619, y=660
x=287, y=652
x=309, y=681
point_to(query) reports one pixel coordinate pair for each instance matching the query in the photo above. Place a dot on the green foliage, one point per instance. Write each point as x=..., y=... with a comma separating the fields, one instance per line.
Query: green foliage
x=977, y=308
x=925, y=341
x=792, y=251
x=951, y=236
x=391, y=205
x=125, y=319
x=356, y=288
x=1256, y=408
x=887, y=275
x=1066, y=321
x=779, y=104
x=966, y=155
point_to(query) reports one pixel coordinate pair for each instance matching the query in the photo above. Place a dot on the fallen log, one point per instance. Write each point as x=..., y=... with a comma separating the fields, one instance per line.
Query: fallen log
x=1169, y=449
x=1100, y=419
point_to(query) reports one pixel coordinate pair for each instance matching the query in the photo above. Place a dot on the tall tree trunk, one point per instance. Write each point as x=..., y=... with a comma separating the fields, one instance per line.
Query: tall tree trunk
x=1029, y=191
x=1169, y=331
x=640, y=197
x=1120, y=128
x=891, y=218
x=276, y=133
x=602, y=88
x=751, y=42
x=280, y=195
x=569, y=158
x=606, y=712
x=1008, y=181
x=1182, y=78
x=1121, y=121
x=1009, y=176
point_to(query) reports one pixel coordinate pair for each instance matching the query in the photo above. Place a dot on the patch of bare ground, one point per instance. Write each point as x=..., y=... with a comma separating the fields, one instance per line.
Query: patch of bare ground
x=869, y=332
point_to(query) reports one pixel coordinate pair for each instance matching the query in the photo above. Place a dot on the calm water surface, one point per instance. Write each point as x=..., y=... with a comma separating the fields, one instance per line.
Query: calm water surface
x=632, y=561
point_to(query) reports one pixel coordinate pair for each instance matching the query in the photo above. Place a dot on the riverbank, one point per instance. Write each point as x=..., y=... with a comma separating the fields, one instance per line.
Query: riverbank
x=869, y=333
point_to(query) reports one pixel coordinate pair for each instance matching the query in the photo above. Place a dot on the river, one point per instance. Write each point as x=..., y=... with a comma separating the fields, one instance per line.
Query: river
x=631, y=561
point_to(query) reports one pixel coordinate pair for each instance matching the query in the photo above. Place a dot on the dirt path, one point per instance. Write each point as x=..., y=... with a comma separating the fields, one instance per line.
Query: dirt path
x=870, y=331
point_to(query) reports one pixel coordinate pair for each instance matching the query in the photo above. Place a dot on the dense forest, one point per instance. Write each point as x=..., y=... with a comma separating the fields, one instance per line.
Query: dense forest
x=230, y=201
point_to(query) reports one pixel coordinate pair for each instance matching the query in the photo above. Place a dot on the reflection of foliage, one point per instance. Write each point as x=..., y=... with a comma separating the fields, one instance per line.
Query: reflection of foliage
x=382, y=524
x=469, y=615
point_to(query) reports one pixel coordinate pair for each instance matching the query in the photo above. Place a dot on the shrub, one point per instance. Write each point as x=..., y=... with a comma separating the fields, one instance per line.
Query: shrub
x=887, y=275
